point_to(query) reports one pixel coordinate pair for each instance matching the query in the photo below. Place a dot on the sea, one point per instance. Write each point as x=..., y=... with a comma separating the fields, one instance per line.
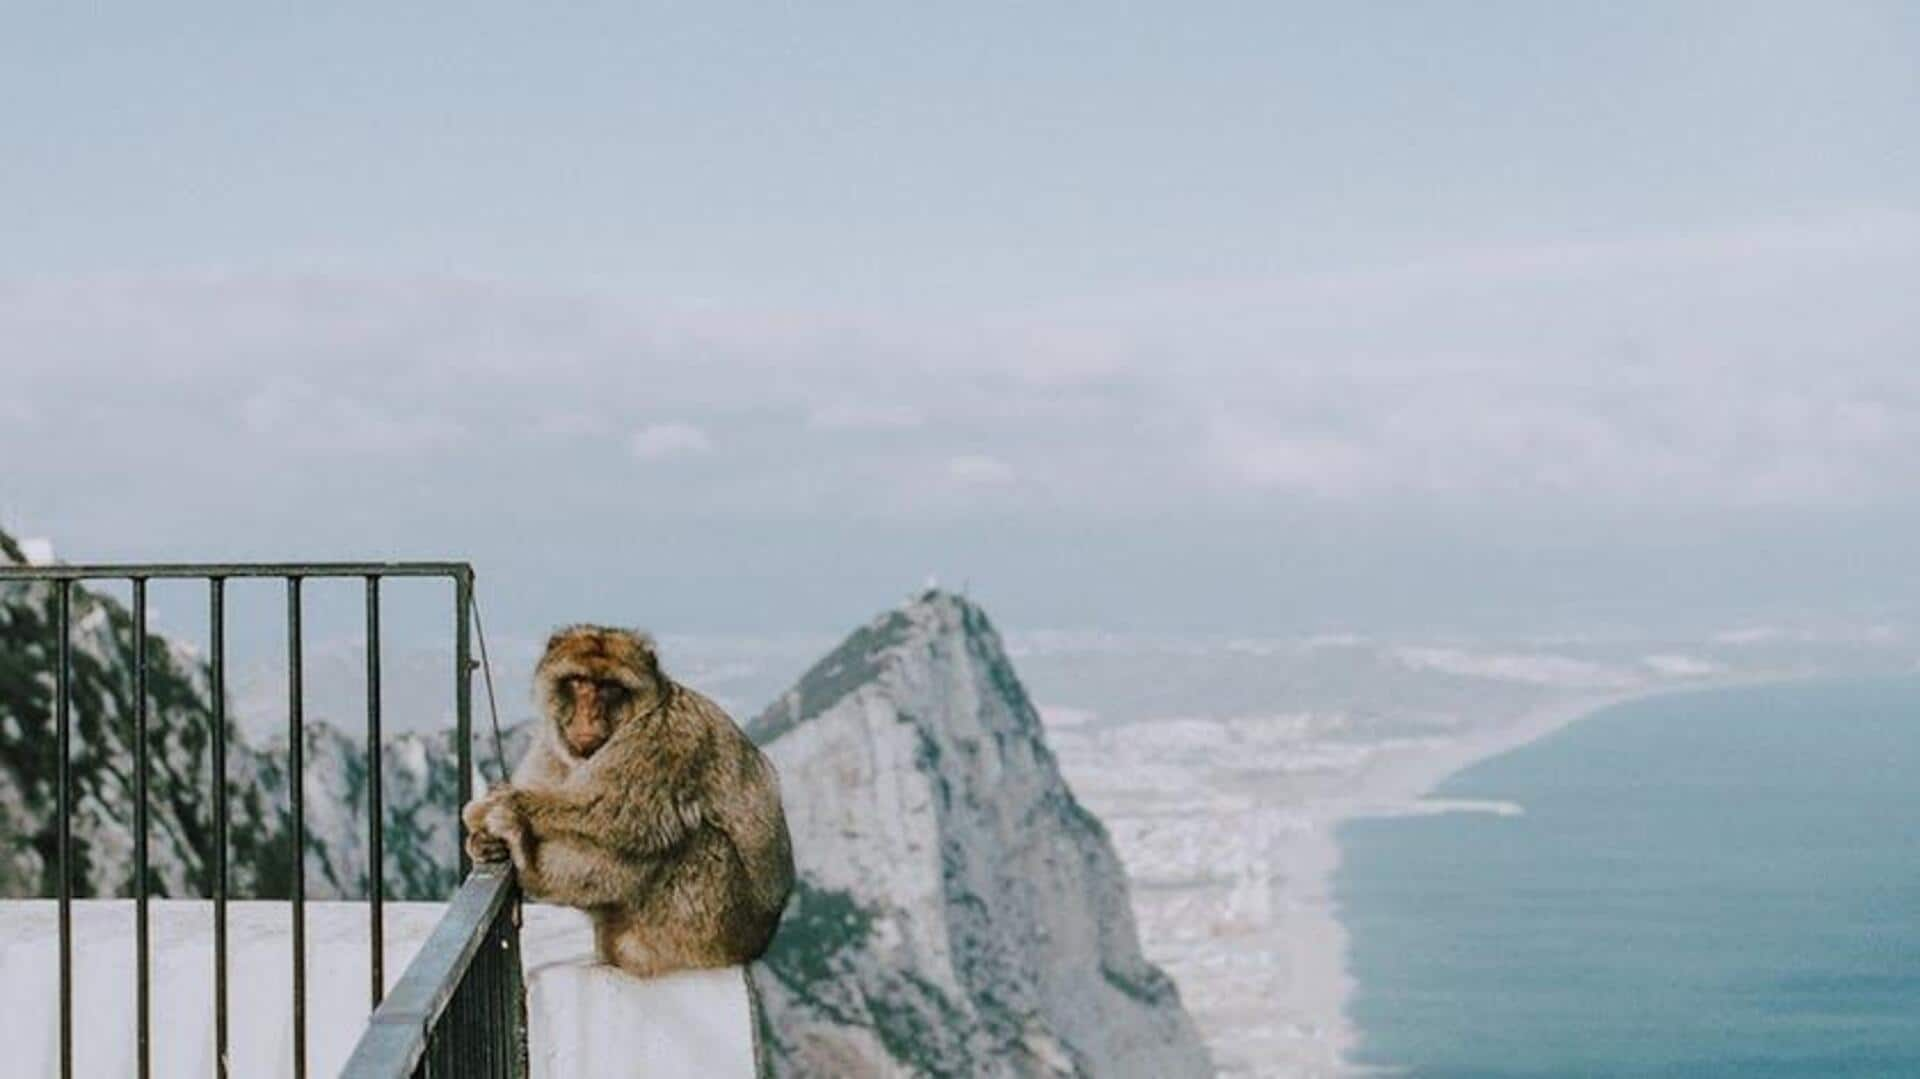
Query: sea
x=1711, y=883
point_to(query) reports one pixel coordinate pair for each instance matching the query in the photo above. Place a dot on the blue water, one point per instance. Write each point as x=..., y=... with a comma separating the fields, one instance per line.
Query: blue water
x=1722, y=883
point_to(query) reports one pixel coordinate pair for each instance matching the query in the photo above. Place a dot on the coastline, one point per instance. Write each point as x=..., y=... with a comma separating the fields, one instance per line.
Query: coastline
x=1398, y=784
x=1246, y=919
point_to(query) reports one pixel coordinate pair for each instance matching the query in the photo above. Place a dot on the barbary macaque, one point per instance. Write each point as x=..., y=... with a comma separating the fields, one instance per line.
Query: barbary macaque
x=642, y=803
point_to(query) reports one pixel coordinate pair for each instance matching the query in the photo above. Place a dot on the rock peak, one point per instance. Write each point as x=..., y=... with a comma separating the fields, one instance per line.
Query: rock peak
x=932, y=623
x=958, y=911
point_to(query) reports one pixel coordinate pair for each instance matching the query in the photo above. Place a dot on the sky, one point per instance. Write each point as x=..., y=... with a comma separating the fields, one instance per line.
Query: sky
x=1202, y=317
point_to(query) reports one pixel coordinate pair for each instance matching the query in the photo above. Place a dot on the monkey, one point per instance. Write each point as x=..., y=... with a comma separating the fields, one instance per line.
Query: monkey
x=643, y=803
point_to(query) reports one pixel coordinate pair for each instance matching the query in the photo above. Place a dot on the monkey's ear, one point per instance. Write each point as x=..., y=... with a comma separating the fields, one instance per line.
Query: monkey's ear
x=649, y=652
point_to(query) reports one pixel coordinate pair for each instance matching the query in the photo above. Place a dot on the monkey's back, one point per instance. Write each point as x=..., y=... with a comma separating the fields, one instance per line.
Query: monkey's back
x=743, y=851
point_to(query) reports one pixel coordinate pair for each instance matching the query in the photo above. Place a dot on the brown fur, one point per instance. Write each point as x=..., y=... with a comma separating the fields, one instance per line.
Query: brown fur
x=641, y=802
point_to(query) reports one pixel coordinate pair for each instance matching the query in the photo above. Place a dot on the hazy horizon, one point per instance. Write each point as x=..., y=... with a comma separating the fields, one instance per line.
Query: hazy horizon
x=1242, y=319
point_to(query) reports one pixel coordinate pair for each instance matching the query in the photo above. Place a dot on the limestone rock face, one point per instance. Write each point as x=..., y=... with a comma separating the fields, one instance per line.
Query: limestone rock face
x=958, y=912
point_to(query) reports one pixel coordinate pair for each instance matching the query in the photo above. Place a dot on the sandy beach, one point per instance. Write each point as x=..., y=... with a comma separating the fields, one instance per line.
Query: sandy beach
x=1227, y=817
x=1244, y=915
x=1396, y=784
x=1228, y=830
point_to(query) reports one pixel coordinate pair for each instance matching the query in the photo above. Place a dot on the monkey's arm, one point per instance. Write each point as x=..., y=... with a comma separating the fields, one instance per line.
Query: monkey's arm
x=559, y=865
x=540, y=767
x=642, y=821
x=577, y=873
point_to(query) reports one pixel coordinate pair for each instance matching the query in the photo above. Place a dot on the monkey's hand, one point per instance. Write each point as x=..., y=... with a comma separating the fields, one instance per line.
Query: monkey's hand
x=482, y=847
x=493, y=826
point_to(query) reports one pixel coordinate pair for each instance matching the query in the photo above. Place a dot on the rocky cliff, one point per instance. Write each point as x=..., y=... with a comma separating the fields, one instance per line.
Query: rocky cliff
x=958, y=913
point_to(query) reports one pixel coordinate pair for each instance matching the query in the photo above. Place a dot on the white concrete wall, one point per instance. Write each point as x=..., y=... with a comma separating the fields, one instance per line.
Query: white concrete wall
x=587, y=1021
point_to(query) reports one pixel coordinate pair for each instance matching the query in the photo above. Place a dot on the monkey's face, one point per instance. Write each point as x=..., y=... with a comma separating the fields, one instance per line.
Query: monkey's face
x=589, y=710
x=592, y=680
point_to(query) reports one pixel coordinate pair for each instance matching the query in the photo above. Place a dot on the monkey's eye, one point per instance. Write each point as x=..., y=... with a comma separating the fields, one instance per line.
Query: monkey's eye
x=613, y=691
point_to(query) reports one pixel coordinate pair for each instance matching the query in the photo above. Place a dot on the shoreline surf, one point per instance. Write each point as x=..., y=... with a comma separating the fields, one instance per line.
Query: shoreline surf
x=1399, y=784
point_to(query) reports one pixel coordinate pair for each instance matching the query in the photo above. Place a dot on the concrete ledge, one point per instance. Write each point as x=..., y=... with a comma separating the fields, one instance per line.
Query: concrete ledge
x=589, y=1021
x=260, y=984
x=586, y=1020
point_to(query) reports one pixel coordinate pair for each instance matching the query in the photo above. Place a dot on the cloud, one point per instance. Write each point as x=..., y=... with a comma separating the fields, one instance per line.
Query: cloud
x=979, y=470
x=661, y=441
x=1758, y=367
x=1318, y=464
x=1690, y=259
x=858, y=416
x=569, y=425
x=297, y=415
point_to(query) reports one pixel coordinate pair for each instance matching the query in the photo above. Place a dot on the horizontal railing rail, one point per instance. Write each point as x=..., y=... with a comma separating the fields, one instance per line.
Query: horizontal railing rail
x=204, y=570
x=459, y=1010
x=64, y=579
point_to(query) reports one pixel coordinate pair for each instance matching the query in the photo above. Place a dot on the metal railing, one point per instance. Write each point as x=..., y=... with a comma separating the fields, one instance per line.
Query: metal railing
x=470, y=981
x=459, y=1011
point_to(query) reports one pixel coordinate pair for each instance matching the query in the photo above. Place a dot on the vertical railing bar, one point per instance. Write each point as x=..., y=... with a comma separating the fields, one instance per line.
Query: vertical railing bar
x=504, y=1002
x=296, y=792
x=376, y=862
x=465, y=1053
x=496, y=1014
x=477, y=1029
x=503, y=995
x=489, y=1004
x=481, y=1033
x=483, y=994
x=508, y=1022
x=486, y=1031
x=463, y=701
x=142, y=939
x=63, y=725
x=511, y=993
x=496, y=1008
x=483, y=1008
x=517, y=990
x=457, y=1019
x=470, y=1062
x=509, y=958
x=217, y=645
x=476, y=1052
x=476, y=1062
